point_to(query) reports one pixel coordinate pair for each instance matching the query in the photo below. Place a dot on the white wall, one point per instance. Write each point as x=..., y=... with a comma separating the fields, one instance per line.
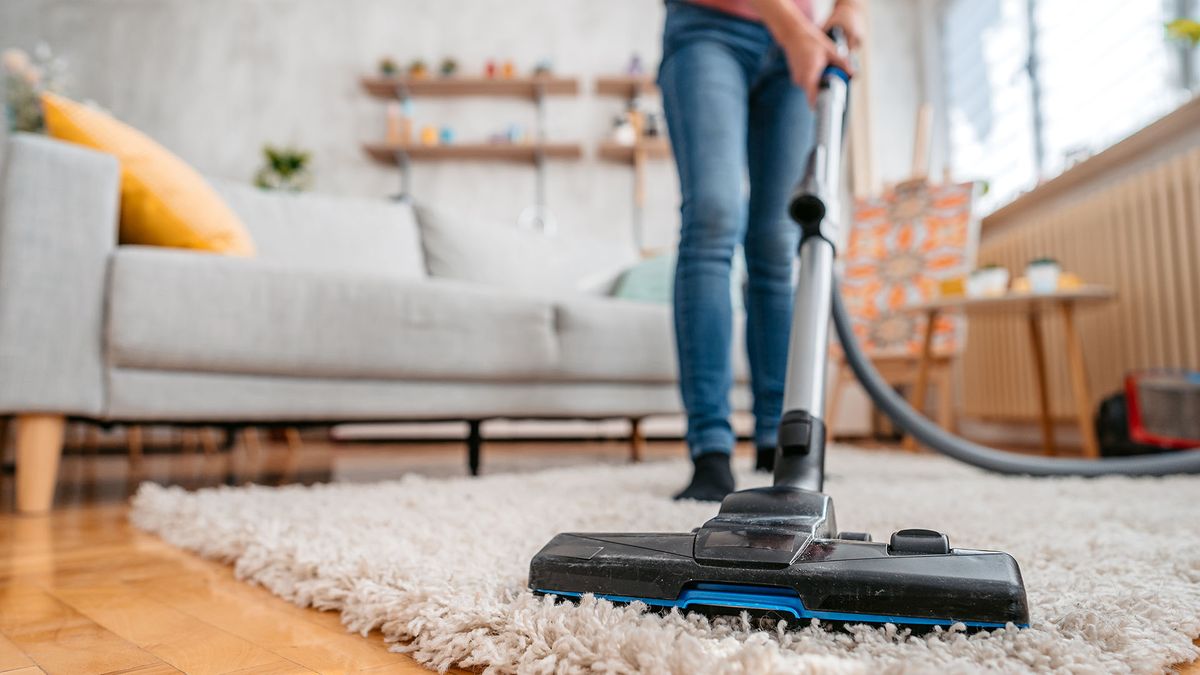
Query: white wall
x=216, y=79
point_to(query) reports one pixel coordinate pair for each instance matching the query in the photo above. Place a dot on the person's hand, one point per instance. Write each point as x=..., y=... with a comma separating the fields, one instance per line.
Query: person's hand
x=808, y=52
x=847, y=15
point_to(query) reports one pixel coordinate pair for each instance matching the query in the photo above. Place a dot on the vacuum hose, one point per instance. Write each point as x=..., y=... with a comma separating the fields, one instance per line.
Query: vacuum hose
x=904, y=416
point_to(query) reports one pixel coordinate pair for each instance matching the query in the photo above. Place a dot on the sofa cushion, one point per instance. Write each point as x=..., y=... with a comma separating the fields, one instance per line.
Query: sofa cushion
x=164, y=202
x=609, y=340
x=503, y=255
x=174, y=310
x=369, y=236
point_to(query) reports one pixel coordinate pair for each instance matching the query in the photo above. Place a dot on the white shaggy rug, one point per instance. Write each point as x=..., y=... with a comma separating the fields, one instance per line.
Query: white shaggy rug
x=1112, y=566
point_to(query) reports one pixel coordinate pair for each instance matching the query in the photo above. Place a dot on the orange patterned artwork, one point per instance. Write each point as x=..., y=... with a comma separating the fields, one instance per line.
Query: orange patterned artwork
x=902, y=244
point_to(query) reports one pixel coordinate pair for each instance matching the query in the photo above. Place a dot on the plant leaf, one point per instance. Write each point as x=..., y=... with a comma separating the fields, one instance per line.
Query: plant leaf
x=1185, y=29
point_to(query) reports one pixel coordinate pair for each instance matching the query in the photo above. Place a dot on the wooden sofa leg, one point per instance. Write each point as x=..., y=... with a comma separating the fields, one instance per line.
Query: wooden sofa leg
x=474, y=443
x=39, y=440
x=291, y=459
x=637, y=440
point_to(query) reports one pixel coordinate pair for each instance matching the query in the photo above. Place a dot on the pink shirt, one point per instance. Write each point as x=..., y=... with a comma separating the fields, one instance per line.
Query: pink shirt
x=745, y=9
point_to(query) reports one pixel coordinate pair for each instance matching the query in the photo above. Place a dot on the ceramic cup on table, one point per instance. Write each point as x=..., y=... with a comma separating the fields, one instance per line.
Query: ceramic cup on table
x=1043, y=275
x=987, y=282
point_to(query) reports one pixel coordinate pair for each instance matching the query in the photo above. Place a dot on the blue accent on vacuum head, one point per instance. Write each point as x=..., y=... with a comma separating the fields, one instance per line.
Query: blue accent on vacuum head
x=765, y=598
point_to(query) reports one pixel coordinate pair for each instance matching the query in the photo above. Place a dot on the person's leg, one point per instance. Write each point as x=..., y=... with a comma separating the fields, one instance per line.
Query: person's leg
x=778, y=143
x=704, y=88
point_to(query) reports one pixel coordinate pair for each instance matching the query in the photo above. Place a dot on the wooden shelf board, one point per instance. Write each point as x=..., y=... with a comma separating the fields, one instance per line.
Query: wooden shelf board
x=656, y=148
x=625, y=86
x=517, y=87
x=497, y=152
x=1014, y=301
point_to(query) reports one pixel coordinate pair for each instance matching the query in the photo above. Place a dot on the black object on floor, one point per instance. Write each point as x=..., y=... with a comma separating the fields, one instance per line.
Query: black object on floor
x=1112, y=430
x=712, y=478
x=764, y=459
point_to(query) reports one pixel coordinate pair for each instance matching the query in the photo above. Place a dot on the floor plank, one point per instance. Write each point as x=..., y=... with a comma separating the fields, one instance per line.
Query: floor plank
x=11, y=656
x=183, y=641
x=61, y=640
x=255, y=614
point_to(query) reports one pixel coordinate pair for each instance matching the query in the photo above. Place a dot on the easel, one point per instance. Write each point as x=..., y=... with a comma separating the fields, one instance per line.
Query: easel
x=907, y=370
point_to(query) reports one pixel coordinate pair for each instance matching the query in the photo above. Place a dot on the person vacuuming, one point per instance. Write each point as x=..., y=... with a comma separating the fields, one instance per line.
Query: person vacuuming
x=777, y=549
x=738, y=80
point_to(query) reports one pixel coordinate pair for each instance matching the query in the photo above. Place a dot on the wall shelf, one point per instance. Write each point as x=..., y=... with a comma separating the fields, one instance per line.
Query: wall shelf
x=633, y=88
x=529, y=88
x=521, y=153
x=534, y=88
x=653, y=148
x=626, y=86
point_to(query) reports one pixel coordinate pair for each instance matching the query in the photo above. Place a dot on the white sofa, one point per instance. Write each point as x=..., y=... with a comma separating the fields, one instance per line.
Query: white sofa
x=353, y=310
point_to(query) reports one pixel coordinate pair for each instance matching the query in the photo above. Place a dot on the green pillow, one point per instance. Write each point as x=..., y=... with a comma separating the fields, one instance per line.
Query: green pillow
x=652, y=279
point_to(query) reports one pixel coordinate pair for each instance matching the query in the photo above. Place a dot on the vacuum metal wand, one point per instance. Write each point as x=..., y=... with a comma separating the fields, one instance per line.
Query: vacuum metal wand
x=815, y=206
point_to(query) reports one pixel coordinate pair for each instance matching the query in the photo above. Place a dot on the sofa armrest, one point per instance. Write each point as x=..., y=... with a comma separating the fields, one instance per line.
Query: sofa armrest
x=58, y=226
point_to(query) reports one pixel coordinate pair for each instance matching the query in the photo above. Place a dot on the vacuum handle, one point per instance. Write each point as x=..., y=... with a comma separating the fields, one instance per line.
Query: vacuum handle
x=818, y=191
x=842, y=46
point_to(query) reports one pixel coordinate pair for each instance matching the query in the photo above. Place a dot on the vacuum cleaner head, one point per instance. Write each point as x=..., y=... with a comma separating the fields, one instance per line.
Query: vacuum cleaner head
x=776, y=551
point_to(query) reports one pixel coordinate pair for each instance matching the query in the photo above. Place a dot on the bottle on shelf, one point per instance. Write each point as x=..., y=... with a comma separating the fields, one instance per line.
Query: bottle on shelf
x=399, y=122
x=394, y=115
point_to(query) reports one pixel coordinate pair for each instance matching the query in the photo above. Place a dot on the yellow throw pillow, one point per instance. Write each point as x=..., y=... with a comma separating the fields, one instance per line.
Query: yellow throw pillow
x=164, y=202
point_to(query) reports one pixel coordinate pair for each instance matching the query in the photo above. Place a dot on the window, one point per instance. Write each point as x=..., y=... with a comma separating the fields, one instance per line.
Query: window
x=1033, y=85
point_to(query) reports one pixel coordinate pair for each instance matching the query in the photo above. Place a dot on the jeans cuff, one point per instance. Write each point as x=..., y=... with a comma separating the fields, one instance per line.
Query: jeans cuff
x=711, y=440
x=766, y=438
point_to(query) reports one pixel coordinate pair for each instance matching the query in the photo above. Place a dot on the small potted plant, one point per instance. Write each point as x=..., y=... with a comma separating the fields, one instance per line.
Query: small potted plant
x=1043, y=275
x=987, y=281
x=1185, y=30
x=449, y=67
x=284, y=169
x=417, y=69
x=388, y=67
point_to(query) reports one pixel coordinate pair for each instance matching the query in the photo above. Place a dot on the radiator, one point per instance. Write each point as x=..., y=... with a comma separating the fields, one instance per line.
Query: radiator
x=1138, y=233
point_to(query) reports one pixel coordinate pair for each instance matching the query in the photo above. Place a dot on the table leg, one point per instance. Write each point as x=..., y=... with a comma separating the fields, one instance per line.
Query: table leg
x=1039, y=365
x=833, y=405
x=922, y=386
x=1079, y=382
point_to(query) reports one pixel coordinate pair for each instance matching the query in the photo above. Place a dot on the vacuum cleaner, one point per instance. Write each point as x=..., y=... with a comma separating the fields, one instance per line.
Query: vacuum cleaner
x=777, y=550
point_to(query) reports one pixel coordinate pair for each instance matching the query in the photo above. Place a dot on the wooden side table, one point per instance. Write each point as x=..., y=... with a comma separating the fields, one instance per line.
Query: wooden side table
x=1032, y=305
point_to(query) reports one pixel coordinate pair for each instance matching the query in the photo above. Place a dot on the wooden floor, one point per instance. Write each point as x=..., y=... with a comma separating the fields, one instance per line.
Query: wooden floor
x=82, y=591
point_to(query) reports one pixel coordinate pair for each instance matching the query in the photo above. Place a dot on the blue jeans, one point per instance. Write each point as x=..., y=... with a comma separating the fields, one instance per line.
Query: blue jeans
x=732, y=113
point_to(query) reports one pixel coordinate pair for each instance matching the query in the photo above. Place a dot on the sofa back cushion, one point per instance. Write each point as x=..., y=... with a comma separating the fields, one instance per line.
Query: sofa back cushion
x=318, y=232
x=503, y=255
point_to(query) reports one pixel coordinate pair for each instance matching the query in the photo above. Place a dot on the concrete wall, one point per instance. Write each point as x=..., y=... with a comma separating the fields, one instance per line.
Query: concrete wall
x=216, y=79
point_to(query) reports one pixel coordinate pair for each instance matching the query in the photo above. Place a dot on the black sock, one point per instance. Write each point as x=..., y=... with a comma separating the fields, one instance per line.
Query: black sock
x=712, y=478
x=765, y=459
